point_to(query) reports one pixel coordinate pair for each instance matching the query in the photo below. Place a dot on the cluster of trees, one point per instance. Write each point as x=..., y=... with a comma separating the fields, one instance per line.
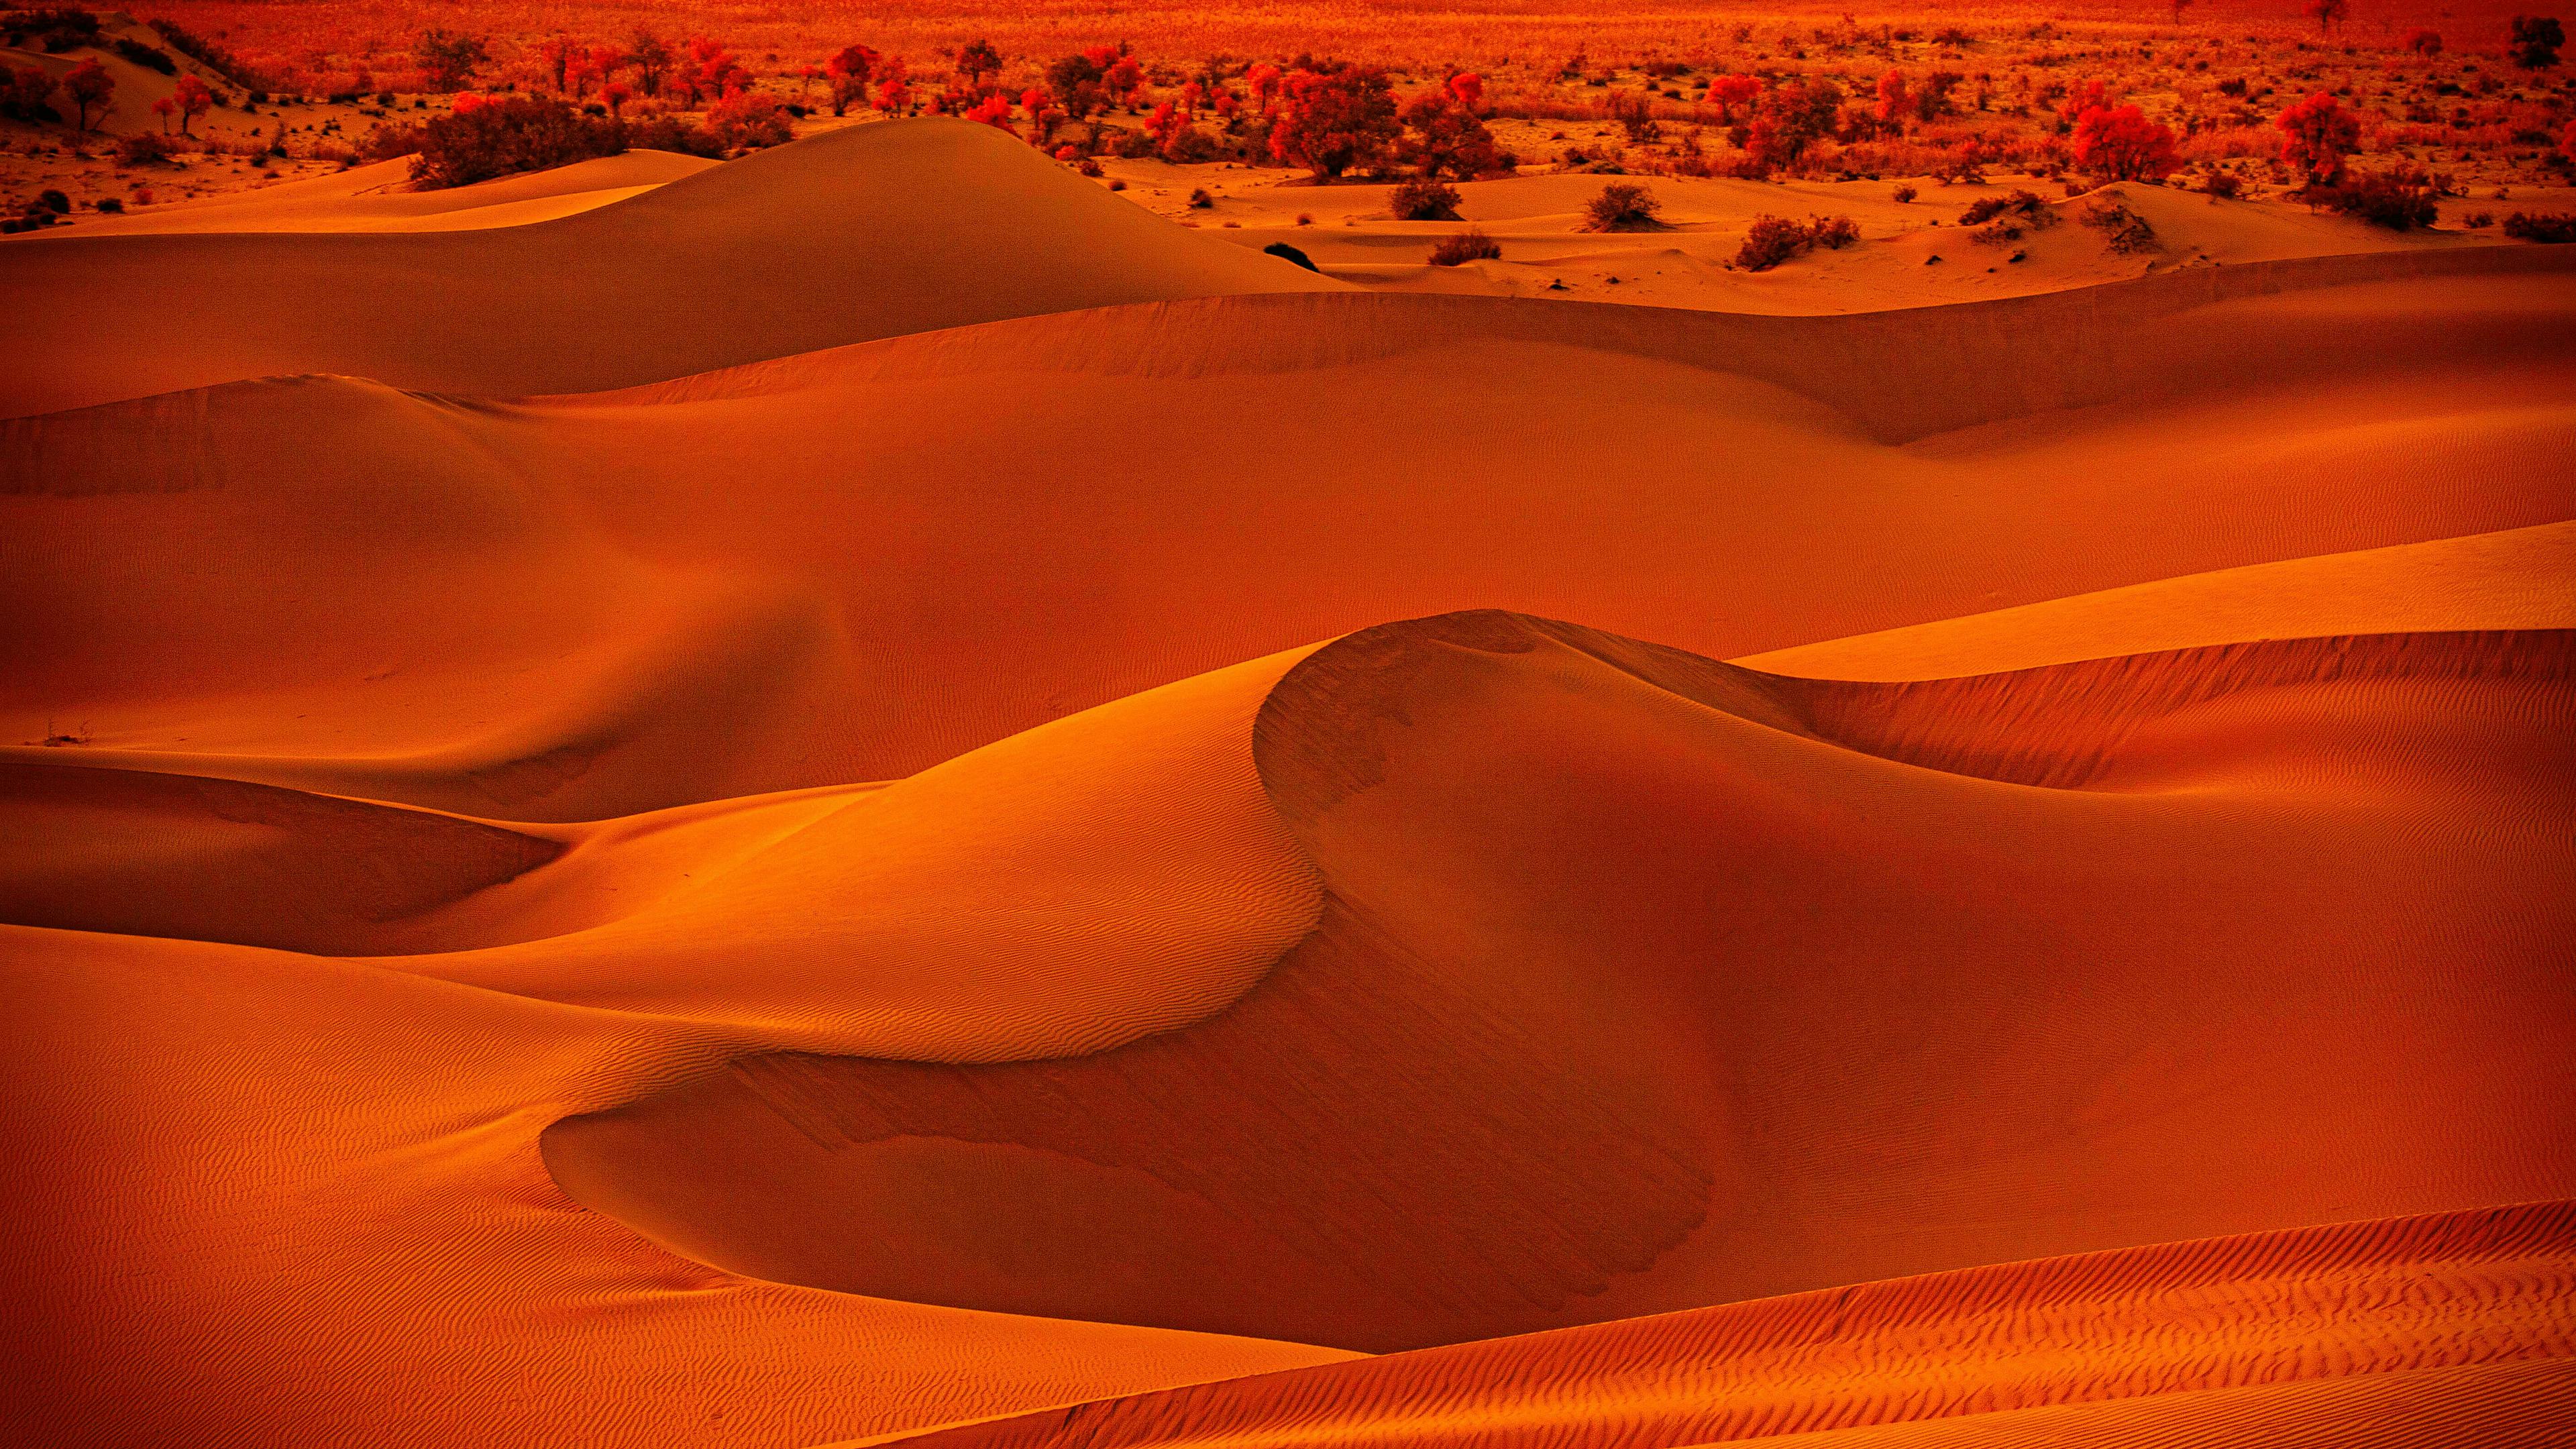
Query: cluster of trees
x=1330, y=118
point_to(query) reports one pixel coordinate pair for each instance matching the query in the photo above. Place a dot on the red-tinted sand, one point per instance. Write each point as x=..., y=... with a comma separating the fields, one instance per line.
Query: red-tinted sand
x=899, y=885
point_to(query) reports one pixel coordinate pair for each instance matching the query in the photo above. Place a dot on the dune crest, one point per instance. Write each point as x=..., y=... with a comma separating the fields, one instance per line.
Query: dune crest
x=1845, y=1007
x=2440, y=1329
x=887, y=229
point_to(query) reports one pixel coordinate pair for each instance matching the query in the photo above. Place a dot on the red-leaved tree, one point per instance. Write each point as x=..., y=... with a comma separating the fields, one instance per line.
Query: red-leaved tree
x=1333, y=120
x=88, y=86
x=849, y=72
x=191, y=99
x=2318, y=134
x=2119, y=143
x=1444, y=137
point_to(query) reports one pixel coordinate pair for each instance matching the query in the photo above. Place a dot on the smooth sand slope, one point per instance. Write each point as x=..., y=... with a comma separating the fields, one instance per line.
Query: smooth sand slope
x=2514, y=579
x=1910, y=254
x=1697, y=984
x=2447, y=1330
x=379, y=197
x=853, y=565
x=916, y=883
x=866, y=232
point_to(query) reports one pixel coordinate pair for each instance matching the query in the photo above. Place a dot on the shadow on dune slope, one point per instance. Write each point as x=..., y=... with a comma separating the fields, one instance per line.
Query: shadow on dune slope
x=1644, y=981
x=852, y=564
x=2437, y=1330
x=867, y=232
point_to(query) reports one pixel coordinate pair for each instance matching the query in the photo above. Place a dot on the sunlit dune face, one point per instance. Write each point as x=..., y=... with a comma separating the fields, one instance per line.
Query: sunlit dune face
x=1568, y=729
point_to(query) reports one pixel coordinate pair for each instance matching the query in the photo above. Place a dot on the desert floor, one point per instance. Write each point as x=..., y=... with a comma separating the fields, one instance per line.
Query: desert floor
x=873, y=793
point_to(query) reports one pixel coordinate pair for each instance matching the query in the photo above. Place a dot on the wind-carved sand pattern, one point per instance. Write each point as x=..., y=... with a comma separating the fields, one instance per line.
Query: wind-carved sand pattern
x=868, y=795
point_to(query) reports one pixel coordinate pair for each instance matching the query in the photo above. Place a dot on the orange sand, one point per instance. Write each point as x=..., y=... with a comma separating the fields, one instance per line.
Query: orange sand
x=1029, y=840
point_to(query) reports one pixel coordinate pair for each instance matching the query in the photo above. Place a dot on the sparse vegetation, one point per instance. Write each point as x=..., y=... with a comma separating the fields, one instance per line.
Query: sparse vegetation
x=1424, y=201
x=2552, y=227
x=516, y=133
x=1772, y=240
x=1471, y=245
x=1623, y=206
x=2123, y=230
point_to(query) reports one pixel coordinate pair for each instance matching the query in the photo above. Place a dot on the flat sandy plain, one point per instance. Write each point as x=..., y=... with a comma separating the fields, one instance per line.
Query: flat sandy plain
x=872, y=794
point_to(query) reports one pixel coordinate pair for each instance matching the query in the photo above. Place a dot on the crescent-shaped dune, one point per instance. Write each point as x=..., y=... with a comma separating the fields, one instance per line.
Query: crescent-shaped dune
x=1531, y=1069
x=872, y=794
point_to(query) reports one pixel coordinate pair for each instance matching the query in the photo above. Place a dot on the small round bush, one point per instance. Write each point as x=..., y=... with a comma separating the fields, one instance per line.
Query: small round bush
x=1425, y=201
x=1623, y=206
x=1470, y=245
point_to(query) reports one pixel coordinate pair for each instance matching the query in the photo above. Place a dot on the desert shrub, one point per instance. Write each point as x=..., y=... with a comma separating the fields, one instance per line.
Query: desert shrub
x=385, y=143
x=447, y=61
x=2223, y=184
x=1772, y=240
x=26, y=95
x=53, y=29
x=1425, y=201
x=1622, y=206
x=110, y=204
x=208, y=54
x=1470, y=245
x=670, y=133
x=145, y=148
x=2124, y=230
x=54, y=201
x=499, y=137
x=2537, y=226
x=748, y=120
x=148, y=57
x=1833, y=233
x=1905, y=193
x=2401, y=198
x=1200, y=200
x=2478, y=220
x=2024, y=206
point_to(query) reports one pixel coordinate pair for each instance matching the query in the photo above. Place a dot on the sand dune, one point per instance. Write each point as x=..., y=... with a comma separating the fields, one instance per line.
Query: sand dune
x=885, y=229
x=1814, y=1026
x=2515, y=579
x=1910, y=254
x=379, y=197
x=564, y=609
x=2443, y=1329
x=891, y=873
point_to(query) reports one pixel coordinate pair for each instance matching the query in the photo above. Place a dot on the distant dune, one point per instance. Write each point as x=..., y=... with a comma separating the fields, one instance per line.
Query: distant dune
x=870, y=793
x=861, y=233
x=379, y=198
x=852, y=565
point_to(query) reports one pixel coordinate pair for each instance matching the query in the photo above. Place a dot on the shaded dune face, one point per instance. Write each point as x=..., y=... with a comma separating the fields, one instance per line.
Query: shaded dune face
x=1643, y=981
x=149, y=854
x=2441, y=1329
x=886, y=230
